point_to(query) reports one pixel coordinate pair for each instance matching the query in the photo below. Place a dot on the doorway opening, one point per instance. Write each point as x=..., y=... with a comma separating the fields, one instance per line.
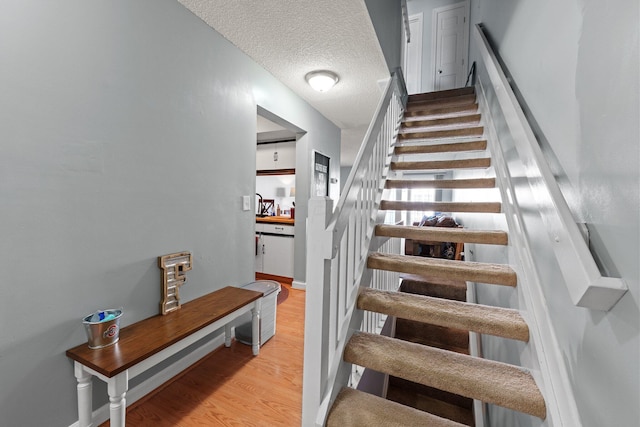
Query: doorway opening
x=278, y=245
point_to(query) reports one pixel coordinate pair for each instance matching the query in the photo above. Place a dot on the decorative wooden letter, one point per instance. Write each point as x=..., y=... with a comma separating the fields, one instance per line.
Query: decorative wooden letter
x=173, y=268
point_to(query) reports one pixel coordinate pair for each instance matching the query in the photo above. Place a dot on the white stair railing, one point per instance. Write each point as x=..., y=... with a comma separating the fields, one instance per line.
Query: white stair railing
x=382, y=280
x=338, y=244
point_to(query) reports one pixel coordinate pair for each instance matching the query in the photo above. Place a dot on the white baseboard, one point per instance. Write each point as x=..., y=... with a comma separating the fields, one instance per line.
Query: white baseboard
x=299, y=285
x=101, y=414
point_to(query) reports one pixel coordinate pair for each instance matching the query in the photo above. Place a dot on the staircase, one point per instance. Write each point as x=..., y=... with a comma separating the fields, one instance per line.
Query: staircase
x=428, y=361
x=430, y=368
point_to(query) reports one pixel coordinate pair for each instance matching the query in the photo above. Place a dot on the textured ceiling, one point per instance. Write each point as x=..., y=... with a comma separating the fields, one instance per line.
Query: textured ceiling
x=289, y=38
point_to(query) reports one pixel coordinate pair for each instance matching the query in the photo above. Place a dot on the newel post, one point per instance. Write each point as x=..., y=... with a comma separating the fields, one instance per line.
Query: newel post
x=316, y=331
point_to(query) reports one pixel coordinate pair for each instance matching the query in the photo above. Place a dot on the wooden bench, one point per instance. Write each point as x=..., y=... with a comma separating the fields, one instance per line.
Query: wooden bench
x=144, y=344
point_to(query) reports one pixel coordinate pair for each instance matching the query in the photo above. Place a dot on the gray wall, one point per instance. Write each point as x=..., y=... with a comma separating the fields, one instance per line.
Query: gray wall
x=575, y=66
x=128, y=131
x=386, y=16
x=426, y=8
x=344, y=174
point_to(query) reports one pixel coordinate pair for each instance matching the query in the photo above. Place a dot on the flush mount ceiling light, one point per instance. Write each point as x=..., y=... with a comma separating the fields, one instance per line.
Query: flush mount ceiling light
x=322, y=80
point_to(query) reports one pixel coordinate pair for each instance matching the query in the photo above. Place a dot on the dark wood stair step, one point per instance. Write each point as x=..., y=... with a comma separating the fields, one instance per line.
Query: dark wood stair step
x=477, y=207
x=442, y=337
x=465, y=119
x=439, y=94
x=427, y=111
x=496, y=274
x=355, y=408
x=479, y=163
x=433, y=406
x=479, y=145
x=441, y=183
x=443, y=234
x=434, y=287
x=445, y=133
x=442, y=102
x=489, y=381
x=484, y=319
x=424, y=333
x=434, y=393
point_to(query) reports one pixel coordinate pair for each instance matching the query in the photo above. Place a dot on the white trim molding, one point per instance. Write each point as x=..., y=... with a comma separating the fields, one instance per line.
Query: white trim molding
x=296, y=284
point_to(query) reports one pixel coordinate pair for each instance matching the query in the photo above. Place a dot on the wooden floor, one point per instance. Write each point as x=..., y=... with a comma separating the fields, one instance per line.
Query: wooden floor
x=231, y=387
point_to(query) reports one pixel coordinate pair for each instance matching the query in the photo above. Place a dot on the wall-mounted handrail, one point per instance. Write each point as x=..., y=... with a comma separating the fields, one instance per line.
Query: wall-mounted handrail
x=340, y=241
x=405, y=19
x=586, y=285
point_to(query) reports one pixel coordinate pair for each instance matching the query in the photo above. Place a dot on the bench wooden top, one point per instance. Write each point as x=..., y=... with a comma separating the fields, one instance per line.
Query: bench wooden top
x=149, y=336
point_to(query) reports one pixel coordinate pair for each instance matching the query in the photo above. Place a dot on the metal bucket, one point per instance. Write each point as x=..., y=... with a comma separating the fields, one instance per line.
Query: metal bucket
x=102, y=333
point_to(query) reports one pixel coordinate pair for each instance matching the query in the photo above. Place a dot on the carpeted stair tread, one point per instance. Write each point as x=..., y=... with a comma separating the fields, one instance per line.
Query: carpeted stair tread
x=442, y=337
x=445, y=133
x=436, y=407
x=439, y=111
x=482, y=162
x=443, y=234
x=440, y=287
x=478, y=145
x=477, y=207
x=496, y=274
x=444, y=121
x=502, y=322
x=439, y=94
x=441, y=183
x=489, y=381
x=355, y=408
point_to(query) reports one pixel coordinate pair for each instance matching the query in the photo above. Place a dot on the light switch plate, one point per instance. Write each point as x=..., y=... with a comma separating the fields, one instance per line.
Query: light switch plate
x=246, y=203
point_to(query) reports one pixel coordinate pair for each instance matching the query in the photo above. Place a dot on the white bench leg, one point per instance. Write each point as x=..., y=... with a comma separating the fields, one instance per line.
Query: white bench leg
x=227, y=335
x=255, y=327
x=85, y=390
x=117, y=387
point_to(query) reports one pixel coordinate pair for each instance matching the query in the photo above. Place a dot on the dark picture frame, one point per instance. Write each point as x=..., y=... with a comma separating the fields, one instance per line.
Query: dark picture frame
x=320, y=174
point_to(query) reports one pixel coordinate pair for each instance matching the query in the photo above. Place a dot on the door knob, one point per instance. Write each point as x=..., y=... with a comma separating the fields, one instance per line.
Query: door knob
x=439, y=71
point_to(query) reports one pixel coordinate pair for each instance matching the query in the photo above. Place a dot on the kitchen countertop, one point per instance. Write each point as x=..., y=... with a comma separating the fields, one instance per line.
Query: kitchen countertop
x=276, y=220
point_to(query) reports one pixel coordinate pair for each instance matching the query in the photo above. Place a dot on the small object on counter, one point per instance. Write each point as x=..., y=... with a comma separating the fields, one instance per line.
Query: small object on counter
x=278, y=212
x=293, y=213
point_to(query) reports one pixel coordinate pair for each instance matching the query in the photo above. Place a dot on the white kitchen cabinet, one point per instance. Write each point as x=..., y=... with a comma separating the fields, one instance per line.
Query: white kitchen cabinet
x=278, y=255
x=279, y=155
x=275, y=250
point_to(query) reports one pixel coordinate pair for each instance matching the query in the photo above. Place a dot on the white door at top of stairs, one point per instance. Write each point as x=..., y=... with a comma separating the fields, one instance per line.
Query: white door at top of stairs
x=450, y=45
